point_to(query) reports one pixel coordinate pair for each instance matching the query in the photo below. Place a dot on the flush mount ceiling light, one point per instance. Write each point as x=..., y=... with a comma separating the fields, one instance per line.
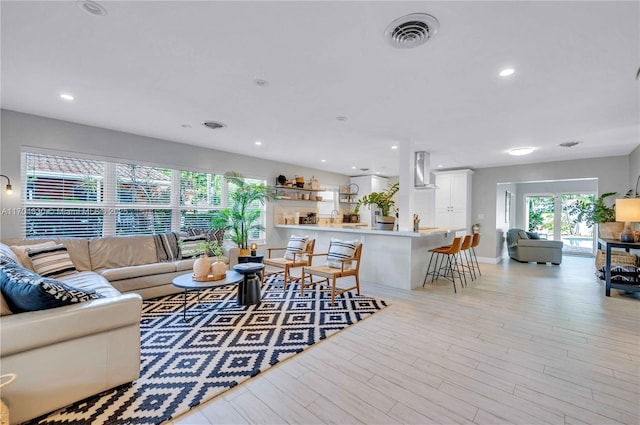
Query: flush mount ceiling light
x=66, y=96
x=92, y=8
x=506, y=72
x=520, y=151
x=261, y=83
x=411, y=30
x=570, y=144
x=214, y=125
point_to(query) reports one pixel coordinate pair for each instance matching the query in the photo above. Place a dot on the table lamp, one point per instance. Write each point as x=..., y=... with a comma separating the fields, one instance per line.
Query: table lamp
x=627, y=210
x=254, y=247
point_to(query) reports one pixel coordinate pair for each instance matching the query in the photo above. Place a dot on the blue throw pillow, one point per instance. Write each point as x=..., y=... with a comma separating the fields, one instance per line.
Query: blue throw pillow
x=24, y=290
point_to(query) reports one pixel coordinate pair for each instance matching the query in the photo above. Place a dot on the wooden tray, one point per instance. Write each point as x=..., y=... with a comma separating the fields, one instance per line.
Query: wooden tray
x=209, y=278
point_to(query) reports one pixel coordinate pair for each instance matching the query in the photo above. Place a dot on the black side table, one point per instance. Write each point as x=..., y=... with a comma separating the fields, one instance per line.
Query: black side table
x=249, y=288
x=250, y=259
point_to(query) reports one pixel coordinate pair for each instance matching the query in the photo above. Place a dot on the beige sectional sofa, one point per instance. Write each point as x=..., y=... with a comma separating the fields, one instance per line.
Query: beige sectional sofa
x=65, y=354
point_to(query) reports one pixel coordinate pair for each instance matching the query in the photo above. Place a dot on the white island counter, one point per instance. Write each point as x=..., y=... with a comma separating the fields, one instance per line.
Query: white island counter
x=391, y=258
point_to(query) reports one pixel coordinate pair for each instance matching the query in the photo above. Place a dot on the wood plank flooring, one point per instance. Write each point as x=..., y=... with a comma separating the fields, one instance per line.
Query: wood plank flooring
x=522, y=344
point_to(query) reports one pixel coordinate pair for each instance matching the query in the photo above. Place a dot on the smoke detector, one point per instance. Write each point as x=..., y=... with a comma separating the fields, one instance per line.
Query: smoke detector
x=214, y=125
x=411, y=30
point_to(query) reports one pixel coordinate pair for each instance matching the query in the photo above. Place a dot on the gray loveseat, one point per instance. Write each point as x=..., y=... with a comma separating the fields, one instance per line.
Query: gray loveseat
x=523, y=247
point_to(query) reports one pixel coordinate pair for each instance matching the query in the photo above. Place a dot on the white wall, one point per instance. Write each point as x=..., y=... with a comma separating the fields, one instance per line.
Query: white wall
x=20, y=130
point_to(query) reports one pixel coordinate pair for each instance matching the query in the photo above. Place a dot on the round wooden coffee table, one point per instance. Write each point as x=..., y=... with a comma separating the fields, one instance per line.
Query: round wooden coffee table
x=186, y=282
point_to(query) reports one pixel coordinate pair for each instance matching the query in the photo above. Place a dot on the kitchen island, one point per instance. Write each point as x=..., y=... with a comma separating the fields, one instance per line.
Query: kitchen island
x=392, y=258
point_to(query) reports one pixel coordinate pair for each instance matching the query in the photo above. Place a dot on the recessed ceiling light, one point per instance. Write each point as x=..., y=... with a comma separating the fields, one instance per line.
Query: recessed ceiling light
x=323, y=160
x=440, y=166
x=261, y=83
x=258, y=142
x=66, y=96
x=394, y=147
x=377, y=172
x=91, y=7
x=353, y=167
x=506, y=72
x=520, y=151
x=341, y=118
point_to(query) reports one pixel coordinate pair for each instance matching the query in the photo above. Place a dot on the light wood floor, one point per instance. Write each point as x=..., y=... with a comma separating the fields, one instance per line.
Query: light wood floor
x=523, y=344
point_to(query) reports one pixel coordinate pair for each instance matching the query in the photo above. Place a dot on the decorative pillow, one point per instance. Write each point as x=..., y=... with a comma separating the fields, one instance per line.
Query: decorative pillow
x=24, y=290
x=8, y=253
x=4, y=259
x=533, y=235
x=21, y=252
x=296, y=244
x=339, y=250
x=52, y=262
x=211, y=234
x=167, y=248
x=621, y=273
x=523, y=235
x=189, y=246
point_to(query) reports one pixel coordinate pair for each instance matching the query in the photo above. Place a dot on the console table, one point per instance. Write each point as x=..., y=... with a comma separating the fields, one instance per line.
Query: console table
x=614, y=243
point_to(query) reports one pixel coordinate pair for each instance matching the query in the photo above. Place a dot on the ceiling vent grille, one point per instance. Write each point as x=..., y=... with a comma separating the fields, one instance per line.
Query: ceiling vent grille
x=411, y=30
x=214, y=125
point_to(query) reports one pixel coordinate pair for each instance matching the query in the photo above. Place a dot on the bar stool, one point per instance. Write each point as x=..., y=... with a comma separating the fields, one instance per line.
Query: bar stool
x=474, y=243
x=468, y=257
x=448, y=269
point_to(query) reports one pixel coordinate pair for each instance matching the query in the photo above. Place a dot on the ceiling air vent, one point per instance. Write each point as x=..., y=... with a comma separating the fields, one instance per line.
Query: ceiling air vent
x=214, y=125
x=411, y=30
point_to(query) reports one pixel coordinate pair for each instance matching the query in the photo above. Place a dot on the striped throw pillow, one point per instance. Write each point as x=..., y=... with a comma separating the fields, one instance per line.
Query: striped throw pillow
x=53, y=262
x=339, y=250
x=189, y=246
x=296, y=244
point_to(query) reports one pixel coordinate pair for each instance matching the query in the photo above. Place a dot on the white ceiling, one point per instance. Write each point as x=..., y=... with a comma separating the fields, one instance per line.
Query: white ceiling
x=150, y=67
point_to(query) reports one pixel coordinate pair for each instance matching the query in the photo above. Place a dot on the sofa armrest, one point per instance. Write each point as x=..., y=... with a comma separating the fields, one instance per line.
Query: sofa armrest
x=232, y=253
x=25, y=331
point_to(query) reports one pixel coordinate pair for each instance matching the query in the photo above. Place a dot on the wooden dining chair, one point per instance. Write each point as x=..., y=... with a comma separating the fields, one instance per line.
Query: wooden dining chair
x=292, y=258
x=336, y=267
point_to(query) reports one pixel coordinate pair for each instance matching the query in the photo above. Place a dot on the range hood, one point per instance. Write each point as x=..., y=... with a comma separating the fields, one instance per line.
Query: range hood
x=422, y=172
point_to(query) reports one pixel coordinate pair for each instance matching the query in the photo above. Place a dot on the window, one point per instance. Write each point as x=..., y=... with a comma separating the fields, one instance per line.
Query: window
x=67, y=196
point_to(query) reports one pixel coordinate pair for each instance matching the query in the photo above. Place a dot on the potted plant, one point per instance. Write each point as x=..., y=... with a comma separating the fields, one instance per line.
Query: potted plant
x=598, y=212
x=384, y=201
x=242, y=217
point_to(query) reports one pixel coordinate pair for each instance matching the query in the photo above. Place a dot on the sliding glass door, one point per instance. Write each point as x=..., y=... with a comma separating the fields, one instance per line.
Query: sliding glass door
x=553, y=217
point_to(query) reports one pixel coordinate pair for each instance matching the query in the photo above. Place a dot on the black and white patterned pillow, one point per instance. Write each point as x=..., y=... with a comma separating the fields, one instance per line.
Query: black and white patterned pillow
x=24, y=290
x=53, y=262
x=621, y=273
x=189, y=246
x=339, y=250
x=295, y=244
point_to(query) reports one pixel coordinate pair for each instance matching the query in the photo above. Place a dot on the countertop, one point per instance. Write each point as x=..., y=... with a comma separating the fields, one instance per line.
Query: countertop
x=359, y=228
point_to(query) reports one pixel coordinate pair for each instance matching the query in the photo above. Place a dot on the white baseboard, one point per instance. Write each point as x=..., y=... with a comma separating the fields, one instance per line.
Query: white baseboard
x=489, y=260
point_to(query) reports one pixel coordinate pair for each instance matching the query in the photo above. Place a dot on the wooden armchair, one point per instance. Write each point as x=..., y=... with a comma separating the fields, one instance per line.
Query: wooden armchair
x=349, y=266
x=299, y=259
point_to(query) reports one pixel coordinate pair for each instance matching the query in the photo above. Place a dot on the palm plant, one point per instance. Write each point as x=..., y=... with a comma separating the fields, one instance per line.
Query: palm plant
x=243, y=215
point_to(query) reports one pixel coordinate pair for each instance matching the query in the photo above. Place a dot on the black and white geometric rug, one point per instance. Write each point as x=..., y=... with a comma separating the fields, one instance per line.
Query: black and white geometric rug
x=185, y=364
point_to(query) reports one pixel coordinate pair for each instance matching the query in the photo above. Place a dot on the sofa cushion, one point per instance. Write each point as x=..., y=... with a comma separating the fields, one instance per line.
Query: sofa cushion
x=21, y=252
x=130, y=272
x=189, y=246
x=24, y=290
x=112, y=252
x=78, y=251
x=91, y=281
x=53, y=262
x=5, y=310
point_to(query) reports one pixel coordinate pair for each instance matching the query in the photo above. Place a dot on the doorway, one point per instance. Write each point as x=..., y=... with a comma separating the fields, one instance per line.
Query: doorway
x=554, y=217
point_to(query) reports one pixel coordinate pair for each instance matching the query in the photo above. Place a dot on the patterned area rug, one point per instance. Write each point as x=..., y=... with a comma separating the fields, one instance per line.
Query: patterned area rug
x=185, y=364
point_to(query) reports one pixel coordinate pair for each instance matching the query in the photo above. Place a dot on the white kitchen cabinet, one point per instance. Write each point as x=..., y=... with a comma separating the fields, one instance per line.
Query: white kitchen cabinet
x=453, y=198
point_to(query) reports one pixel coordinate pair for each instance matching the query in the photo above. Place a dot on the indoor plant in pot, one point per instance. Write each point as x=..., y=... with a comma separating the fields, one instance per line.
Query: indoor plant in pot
x=384, y=201
x=598, y=212
x=242, y=216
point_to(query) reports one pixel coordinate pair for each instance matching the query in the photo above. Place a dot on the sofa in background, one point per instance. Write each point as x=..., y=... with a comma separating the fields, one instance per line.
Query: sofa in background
x=65, y=354
x=524, y=247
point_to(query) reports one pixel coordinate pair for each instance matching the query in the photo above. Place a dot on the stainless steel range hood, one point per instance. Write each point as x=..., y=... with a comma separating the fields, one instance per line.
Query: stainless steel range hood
x=422, y=172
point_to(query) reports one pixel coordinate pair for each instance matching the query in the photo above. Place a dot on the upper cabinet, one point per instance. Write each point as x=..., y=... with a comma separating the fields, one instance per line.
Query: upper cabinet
x=453, y=198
